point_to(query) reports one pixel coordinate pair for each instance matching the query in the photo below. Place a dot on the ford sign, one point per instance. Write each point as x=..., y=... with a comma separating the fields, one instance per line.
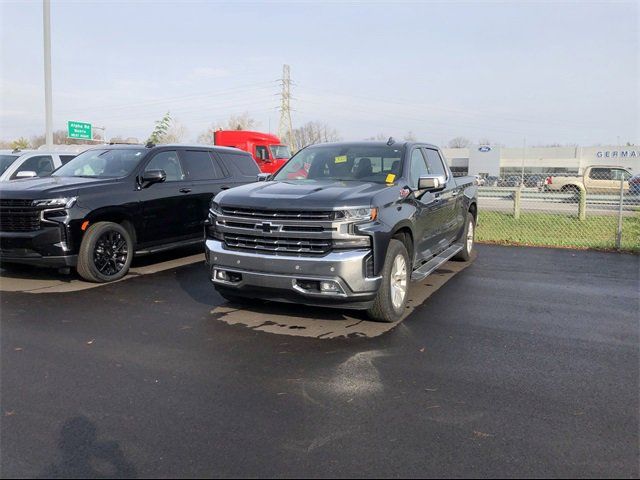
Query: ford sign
x=484, y=148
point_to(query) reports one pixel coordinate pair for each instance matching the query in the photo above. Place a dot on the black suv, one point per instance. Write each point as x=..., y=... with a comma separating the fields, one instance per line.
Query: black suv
x=111, y=201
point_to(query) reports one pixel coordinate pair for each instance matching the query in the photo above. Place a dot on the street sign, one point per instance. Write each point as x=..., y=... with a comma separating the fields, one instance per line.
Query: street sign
x=79, y=130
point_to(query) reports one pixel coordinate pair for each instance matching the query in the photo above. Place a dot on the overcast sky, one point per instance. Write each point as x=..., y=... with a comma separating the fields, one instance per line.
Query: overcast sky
x=548, y=71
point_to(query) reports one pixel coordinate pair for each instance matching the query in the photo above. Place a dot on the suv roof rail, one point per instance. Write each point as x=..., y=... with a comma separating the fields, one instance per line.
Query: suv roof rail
x=150, y=145
x=16, y=150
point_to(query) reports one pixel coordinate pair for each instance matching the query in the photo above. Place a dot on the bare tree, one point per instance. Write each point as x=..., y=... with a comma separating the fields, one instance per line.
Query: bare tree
x=459, y=142
x=410, y=137
x=206, y=137
x=314, y=132
x=379, y=137
x=175, y=133
x=243, y=121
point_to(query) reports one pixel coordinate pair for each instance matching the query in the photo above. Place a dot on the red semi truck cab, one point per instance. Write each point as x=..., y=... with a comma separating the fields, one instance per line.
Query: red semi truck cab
x=267, y=150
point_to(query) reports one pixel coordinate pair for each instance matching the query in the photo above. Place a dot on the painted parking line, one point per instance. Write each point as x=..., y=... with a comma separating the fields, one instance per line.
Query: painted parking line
x=325, y=323
x=32, y=280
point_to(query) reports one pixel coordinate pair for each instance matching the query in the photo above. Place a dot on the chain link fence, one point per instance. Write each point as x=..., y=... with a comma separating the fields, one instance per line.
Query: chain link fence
x=599, y=209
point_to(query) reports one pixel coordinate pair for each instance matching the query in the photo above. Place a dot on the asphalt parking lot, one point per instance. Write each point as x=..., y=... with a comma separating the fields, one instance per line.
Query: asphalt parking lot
x=525, y=363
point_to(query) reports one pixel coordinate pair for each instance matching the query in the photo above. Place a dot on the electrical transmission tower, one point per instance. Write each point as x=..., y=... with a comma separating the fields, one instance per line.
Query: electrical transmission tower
x=285, y=130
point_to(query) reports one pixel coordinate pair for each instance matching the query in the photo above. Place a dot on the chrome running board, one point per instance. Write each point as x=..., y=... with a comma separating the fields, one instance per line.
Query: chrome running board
x=425, y=269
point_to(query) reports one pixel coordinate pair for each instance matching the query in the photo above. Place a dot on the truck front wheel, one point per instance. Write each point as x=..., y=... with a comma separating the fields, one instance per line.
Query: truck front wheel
x=392, y=297
x=105, y=253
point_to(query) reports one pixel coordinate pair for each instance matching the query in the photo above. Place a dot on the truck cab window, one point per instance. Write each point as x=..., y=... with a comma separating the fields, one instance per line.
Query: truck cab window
x=600, y=174
x=435, y=163
x=262, y=152
x=41, y=164
x=418, y=168
x=167, y=161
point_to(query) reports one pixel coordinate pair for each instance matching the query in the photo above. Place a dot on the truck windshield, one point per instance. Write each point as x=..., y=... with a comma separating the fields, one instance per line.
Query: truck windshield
x=102, y=163
x=280, y=151
x=6, y=161
x=357, y=163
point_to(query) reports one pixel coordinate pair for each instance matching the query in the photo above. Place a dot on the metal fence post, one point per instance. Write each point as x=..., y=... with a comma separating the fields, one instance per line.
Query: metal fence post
x=582, y=205
x=516, y=203
x=619, y=233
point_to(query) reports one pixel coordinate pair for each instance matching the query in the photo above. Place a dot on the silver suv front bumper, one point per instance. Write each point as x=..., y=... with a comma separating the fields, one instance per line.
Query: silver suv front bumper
x=345, y=269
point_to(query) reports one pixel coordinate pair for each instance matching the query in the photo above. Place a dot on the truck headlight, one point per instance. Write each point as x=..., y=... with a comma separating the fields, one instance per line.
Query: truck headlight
x=64, y=202
x=357, y=214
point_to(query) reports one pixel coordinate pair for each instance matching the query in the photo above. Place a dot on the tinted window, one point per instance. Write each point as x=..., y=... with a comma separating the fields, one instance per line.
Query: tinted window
x=169, y=162
x=66, y=158
x=244, y=163
x=199, y=165
x=41, y=164
x=600, y=174
x=262, y=153
x=6, y=161
x=418, y=167
x=435, y=163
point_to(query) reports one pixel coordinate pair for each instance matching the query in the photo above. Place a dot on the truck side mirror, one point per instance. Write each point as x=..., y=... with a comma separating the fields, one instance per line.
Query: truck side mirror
x=432, y=183
x=152, y=176
x=264, y=177
x=26, y=174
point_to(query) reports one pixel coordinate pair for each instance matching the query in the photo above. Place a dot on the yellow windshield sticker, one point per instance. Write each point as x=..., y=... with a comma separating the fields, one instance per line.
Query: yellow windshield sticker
x=341, y=159
x=390, y=178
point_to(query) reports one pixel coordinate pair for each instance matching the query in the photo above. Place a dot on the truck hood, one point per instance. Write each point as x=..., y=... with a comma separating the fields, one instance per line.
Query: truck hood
x=296, y=195
x=49, y=187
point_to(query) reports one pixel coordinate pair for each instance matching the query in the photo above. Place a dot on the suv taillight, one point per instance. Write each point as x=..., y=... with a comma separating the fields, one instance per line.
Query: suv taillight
x=548, y=181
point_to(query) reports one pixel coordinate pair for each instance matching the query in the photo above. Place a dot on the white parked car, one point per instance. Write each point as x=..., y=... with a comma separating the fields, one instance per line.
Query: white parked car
x=17, y=164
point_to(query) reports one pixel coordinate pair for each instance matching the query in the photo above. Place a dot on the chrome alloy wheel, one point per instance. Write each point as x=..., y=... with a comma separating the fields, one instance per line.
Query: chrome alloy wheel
x=398, y=281
x=470, y=233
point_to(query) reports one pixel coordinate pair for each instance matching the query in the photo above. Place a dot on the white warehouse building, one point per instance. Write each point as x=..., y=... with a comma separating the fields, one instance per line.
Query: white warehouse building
x=499, y=161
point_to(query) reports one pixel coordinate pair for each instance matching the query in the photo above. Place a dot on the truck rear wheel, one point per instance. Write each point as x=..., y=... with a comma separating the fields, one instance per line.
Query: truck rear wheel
x=468, y=239
x=105, y=253
x=391, y=300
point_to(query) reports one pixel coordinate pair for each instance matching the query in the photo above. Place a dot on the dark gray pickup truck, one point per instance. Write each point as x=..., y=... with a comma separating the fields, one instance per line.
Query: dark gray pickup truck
x=346, y=225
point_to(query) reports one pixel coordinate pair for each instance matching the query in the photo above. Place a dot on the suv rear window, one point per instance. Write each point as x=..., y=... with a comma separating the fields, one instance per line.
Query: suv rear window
x=6, y=161
x=200, y=165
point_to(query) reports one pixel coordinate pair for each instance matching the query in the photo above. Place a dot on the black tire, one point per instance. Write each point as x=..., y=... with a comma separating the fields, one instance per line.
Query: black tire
x=105, y=253
x=383, y=309
x=465, y=254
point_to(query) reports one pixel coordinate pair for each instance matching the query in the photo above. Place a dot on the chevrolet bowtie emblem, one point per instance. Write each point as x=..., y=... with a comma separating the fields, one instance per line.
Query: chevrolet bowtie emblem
x=268, y=227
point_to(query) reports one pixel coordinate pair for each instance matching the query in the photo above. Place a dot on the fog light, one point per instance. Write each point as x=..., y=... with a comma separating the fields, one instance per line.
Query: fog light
x=221, y=275
x=329, y=286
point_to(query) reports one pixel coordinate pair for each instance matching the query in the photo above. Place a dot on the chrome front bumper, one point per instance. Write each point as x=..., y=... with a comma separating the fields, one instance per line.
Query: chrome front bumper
x=347, y=269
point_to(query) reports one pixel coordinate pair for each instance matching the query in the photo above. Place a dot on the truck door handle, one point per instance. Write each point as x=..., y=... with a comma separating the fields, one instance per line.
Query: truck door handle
x=185, y=190
x=226, y=187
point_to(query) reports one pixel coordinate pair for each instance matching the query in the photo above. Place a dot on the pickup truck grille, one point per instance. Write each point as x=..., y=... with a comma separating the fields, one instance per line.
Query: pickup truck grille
x=277, y=244
x=278, y=214
x=18, y=216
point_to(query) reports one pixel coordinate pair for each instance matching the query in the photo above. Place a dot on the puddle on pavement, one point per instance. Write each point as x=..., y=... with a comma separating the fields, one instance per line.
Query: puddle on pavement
x=323, y=323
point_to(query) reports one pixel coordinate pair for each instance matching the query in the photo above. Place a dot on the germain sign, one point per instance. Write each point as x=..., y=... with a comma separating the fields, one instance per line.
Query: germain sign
x=79, y=130
x=618, y=154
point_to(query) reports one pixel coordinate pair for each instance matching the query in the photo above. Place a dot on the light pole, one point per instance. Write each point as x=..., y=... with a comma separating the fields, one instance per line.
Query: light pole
x=524, y=154
x=46, y=16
